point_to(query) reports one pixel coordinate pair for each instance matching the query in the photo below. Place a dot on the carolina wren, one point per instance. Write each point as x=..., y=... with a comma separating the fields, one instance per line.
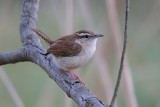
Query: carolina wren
x=72, y=51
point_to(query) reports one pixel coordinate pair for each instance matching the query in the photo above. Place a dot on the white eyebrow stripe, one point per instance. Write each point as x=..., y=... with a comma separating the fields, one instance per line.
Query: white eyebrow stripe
x=83, y=34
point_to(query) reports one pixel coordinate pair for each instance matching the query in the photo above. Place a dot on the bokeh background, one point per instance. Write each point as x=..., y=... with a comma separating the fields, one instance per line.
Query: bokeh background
x=140, y=84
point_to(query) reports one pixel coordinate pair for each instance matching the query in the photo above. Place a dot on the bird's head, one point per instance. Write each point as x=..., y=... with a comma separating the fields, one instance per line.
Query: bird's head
x=88, y=37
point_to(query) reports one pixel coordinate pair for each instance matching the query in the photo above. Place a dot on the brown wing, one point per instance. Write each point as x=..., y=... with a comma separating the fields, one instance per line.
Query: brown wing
x=65, y=49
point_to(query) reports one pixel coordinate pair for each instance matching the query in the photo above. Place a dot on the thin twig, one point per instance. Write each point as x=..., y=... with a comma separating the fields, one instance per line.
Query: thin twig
x=123, y=55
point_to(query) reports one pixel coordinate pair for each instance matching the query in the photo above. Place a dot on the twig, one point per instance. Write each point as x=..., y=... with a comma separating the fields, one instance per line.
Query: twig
x=123, y=55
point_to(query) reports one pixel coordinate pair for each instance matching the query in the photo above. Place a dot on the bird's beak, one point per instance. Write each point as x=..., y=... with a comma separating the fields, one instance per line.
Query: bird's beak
x=98, y=35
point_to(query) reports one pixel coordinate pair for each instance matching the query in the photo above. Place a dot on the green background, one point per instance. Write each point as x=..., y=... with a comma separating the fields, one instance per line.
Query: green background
x=34, y=86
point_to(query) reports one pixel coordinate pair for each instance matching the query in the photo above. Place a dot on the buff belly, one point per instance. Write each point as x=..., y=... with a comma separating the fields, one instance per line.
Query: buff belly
x=71, y=62
x=74, y=62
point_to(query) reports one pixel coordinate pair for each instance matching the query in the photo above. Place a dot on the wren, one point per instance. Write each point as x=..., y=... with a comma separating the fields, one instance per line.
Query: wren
x=72, y=51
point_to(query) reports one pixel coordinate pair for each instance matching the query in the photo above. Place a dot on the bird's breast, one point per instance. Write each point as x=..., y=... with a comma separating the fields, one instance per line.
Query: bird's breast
x=74, y=62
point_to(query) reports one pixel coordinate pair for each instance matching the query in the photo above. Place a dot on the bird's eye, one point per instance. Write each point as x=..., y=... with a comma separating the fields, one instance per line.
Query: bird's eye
x=86, y=36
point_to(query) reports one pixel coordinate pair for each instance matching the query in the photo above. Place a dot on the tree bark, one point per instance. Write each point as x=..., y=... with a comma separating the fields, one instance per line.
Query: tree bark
x=33, y=51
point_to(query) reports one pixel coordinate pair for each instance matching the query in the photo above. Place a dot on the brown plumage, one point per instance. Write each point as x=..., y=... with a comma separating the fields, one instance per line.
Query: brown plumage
x=65, y=49
x=59, y=47
x=85, y=31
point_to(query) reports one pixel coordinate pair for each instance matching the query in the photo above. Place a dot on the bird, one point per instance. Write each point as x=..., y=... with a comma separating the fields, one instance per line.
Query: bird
x=72, y=51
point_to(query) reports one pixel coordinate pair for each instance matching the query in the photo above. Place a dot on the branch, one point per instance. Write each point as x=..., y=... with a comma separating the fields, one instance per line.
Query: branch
x=12, y=57
x=123, y=55
x=33, y=51
x=29, y=20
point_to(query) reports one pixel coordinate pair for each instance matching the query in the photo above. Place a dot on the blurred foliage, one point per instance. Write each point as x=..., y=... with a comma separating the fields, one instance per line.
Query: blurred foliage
x=36, y=88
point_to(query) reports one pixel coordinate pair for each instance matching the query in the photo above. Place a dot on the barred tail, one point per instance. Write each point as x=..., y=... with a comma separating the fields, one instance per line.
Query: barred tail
x=43, y=36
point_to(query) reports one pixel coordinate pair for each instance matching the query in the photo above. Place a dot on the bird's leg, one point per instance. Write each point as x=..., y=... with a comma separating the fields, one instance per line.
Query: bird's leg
x=74, y=75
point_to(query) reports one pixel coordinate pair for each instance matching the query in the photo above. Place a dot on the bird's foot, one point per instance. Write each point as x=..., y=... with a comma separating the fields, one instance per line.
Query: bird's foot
x=74, y=75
